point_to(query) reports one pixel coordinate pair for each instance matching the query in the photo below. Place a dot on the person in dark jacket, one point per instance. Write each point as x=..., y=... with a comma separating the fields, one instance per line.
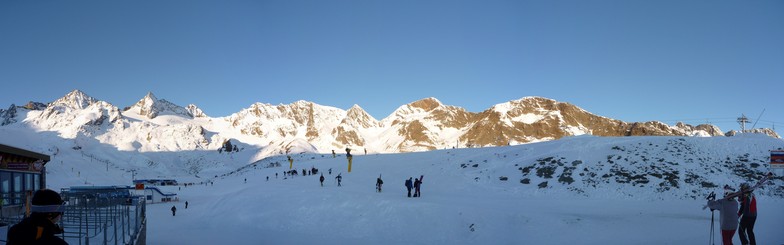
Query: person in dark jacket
x=41, y=227
x=174, y=210
x=409, y=185
x=748, y=215
x=379, y=182
x=339, y=178
x=417, y=184
x=321, y=179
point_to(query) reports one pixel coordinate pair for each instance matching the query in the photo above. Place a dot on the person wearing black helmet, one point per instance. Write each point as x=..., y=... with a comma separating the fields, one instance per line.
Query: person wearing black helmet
x=748, y=215
x=41, y=226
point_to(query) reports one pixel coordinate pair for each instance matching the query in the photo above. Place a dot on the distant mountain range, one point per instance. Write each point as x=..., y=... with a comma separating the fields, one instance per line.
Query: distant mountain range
x=159, y=125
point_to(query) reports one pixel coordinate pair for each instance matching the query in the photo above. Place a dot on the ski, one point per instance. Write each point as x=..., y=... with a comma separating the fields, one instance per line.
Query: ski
x=759, y=183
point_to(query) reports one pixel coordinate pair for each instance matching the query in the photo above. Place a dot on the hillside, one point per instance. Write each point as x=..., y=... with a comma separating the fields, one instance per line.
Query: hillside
x=264, y=130
x=465, y=201
x=575, y=184
x=637, y=167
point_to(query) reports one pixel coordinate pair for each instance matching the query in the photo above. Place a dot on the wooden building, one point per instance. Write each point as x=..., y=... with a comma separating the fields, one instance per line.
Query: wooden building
x=22, y=173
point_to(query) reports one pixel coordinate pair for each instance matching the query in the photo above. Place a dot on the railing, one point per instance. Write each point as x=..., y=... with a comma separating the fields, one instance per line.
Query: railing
x=103, y=217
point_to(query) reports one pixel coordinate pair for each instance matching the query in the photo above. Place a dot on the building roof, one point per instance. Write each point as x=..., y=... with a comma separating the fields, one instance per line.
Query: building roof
x=22, y=152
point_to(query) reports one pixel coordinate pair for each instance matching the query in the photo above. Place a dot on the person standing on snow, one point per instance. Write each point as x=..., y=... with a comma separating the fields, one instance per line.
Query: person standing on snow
x=748, y=214
x=417, y=184
x=186, y=204
x=339, y=178
x=322, y=180
x=409, y=185
x=379, y=182
x=728, y=210
x=174, y=210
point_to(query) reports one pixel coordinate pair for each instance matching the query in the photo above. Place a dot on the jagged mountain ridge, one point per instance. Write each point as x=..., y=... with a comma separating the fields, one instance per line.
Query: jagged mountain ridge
x=425, y=124
x=151, y=107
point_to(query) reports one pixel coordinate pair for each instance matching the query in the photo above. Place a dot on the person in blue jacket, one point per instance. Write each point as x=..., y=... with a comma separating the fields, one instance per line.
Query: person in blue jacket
x=409, y=185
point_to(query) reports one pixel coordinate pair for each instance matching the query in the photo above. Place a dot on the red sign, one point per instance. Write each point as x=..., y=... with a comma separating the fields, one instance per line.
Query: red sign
x=140, y=186
x=777, y=159
x=18, y=166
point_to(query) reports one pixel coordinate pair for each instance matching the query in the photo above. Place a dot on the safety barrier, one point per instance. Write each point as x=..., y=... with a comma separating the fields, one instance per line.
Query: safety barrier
x=103, y=216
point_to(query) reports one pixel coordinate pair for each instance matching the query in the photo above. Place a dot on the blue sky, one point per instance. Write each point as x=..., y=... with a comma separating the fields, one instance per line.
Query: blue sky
x=691, y=61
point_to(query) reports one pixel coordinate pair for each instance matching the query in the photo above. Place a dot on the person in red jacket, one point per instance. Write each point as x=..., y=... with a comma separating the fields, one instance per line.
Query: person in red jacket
x=748, y=215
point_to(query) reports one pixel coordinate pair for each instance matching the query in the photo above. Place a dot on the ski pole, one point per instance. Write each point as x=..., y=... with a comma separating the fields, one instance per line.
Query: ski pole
x=711, y=241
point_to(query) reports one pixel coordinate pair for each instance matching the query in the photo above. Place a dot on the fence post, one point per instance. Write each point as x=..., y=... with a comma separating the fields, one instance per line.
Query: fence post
x=105, y=234
x=116, y=212
x=123, y=224
x=86, y=222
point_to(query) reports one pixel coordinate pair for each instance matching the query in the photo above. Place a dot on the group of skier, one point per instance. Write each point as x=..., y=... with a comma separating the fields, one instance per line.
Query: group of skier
x=730, y=214
x=415, y=184
x=411, y=183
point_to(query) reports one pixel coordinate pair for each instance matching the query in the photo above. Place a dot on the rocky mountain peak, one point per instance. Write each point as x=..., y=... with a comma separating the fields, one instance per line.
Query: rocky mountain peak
x=358, y=117
x=195, y=111
x=765, y=131
x=426, y=104
x=8, y=116
x=150, y=106
x=75, y=100
x=35, y=106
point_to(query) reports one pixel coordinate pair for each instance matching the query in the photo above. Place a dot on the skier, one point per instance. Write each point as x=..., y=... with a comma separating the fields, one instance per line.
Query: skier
x=174, y=210
x=321, y=179
x=417, y=184
x=186, y=204
x=748, y=214
x=379, y=182
x=409, y=185
x=330, y=171
x=41, y=226
x=728, y=210
x=339, y=178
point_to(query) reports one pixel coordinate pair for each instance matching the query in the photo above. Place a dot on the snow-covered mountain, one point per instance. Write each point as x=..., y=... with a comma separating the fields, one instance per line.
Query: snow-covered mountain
x=573, y=187
x=195, y=111
x=263, y=130
x=151, y=107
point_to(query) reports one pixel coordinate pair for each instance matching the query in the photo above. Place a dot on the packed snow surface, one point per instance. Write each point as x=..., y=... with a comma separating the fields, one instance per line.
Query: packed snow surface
x=464, y=200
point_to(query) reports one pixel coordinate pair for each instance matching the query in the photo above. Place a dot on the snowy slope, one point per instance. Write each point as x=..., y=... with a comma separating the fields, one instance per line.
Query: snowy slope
x=628, y=185
x=471, y=205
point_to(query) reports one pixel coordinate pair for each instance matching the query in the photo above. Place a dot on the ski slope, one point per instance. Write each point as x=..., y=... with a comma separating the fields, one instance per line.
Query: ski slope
x=455, y=208
x=577, y=190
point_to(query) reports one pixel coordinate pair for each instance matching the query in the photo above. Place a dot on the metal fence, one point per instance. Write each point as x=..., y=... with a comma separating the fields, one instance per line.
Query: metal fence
x=103, y=216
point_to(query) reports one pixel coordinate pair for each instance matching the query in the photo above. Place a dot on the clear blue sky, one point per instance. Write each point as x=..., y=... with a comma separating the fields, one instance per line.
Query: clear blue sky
x=693, y=61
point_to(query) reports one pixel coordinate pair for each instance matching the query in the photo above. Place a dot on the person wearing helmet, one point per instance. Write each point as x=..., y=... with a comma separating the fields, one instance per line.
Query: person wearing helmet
x=41, y=226
x=728, y=210
x=748, y=215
